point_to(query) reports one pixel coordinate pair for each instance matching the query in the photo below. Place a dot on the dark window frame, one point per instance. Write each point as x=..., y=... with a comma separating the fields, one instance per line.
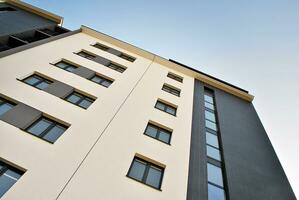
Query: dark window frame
x=127, y=57
x=103, y=80
x=175, y=77
x=5, y=101
x=144, y=177
x=41, y=80
x=47, y=130
x=65, y=68
x=166, y=105
x=171, y=90
x=159, y=129
x=101, y=46
x=116, y=67
x=82, y=98
x=88, y=55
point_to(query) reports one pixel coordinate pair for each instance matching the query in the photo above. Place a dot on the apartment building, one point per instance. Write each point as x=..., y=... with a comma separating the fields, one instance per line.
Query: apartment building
x=84, y=115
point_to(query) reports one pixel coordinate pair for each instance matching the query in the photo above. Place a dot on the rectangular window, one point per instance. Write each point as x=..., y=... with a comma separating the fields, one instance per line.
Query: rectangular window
x=212, y=140
x=166, y=108
x=8, y=177
x=86, y=55
x=158, y=133
x=79, y=100
x=213, y=153
x=175, y=77
x=210, y=116
x=209, y=106
x=215, y=193
x=116, y=67
x=209, y=98
x=127, y=57
x=47, y=129
x=146, y=172
x=211, y=125
x=37, y=81
x=171, y=90
x=215, y=175
x=5, y=106
x=101, y=80
x=100, y=46
x=66, y=66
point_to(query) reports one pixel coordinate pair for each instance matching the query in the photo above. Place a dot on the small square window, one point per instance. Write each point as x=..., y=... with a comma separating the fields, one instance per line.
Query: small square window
x=5, y=106
x=37, y=81
x=8, y=177
x=146, y=172
x=101, y=80
x=79, y=100
x=175, y=77
x=166, y=108
x=66, y=66
x=158, y=133
x=47, y=129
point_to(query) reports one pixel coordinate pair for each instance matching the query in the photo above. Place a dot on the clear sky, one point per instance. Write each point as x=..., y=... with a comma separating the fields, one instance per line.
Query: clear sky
x=252, y=44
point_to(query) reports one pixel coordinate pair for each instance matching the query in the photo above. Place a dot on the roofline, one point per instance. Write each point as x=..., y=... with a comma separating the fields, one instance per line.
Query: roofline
x=208, y=79
x=36, y=10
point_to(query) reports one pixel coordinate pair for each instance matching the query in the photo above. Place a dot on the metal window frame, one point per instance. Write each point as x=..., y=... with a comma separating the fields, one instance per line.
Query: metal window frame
x=83, y=97
x=158, y=129
x=103, y=80
x=172, y=90
x=41, y=80
x=165, y=107
x=175, y=77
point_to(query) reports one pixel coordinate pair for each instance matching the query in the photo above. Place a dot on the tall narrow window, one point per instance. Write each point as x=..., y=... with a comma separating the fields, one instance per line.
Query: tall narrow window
x=37, y=81
x=158, y=133
x=79, y=100
x=47, y=129
x=166, y=108
x=8, y=177
x=5, y=106
x=175, y=77
x=146, y=172
x=101, y=80
x=171, y=90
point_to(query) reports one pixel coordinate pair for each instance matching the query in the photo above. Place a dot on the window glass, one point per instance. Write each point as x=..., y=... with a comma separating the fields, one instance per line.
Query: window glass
x=5, y=107
x=137, y=169
x=215, y=175
x=151, y=131
x=106, y=83
x=211, y=125
x=42, y=85
x=215, y=193
x=54, y=133
x=210, y=116
x=175, y=77
x=209, y=98
x=164, y=136
x=154, y=177
x=85, y=103
x=31, y=80
x=62, y=65
x=39, y=127
x=12, y=174
x=170, y=110
x=7, y=179
x=74, y=98
x=213, y=153
x=160, y=106
x=212, y=139
x=208, y=105
x=70, y=68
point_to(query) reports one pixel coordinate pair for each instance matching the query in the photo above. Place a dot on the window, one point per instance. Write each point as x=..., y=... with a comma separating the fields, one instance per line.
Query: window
x=100, y=46
x=158, y=133
x=66, y=66
x=210, y=116
x=212, y=140
x=209, y=106
x=146, y=172
x=86, y=55
x=37, y=81
x=215, y=175
x=6, y=9
x=79, y=100
x=101, y=80
x=213, y=153
x=211, y=125
x=116, y=67
x=175, y=77
x=171, y=90
x=126, y=57
x=166, y=108
x=5, y=106
x=215, y=193
x=8, y=177
x=47, y=129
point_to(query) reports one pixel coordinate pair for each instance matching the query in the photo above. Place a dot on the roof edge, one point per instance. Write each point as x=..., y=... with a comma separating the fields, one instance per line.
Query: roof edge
x=38, y=11
x=217, y=83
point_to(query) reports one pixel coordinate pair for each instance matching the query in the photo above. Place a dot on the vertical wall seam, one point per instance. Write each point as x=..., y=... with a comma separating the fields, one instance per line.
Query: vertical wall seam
x=102, y=133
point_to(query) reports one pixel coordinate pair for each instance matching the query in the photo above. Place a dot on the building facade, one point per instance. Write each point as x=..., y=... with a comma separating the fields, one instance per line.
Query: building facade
x=86, y=116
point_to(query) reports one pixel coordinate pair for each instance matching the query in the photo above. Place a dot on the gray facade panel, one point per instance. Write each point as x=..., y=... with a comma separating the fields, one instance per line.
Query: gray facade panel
x=19, y=21
x=252, y=168
x=101, y=60
x=21, y=116
x=114, y=51
x=84, y=72
x=59, y=89
x=197, y=178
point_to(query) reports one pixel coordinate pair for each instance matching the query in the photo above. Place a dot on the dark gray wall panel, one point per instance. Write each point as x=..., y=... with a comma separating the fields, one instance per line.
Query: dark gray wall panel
x=19, y=21
x=59, y=89
x=84, y=72
x=252, y=167
x=114, y=51
x=197, y=178
x=101, y=60
x=21, y=116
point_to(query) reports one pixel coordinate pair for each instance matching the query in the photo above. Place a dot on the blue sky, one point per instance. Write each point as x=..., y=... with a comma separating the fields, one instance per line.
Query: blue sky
x=252, y=44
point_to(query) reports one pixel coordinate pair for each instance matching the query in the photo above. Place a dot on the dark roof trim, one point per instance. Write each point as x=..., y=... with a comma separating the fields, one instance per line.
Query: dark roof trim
x=212, y=77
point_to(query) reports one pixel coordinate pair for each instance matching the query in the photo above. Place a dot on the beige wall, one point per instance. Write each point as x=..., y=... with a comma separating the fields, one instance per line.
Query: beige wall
x=117, y=118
